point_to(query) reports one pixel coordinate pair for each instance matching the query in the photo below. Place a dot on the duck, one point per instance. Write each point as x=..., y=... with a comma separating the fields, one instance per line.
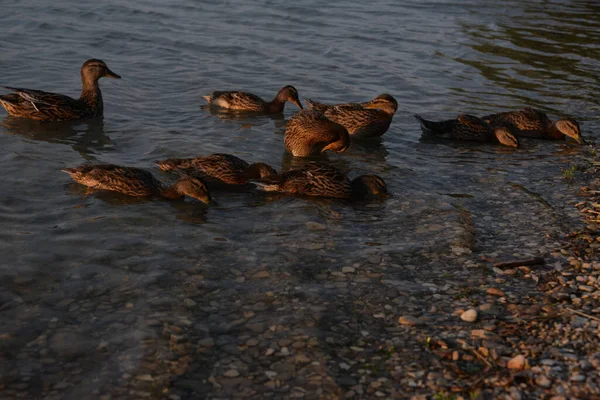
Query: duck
x=137, y=182
x=470, y=127
x=322, y=180
x=225, y=168
x=310, y=132
x=243, y=101
x=366, y=120
x=533, y=123
x=46, y=106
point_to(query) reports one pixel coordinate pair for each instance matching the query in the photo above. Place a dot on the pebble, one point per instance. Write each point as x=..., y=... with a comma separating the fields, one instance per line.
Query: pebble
x=469, y=315
x=408, y=320
x=543, y=381
x=578, y=378
x=495, y=292
x=518, y=362
x=189, y=303
x=348, y=270
x=261, y=274
x=315, y=226
x=232, y=373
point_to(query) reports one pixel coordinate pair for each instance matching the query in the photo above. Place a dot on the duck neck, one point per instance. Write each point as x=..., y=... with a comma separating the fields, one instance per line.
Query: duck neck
x=171, y=192
x=277, y=104
x=554, y=133
x=91, y=95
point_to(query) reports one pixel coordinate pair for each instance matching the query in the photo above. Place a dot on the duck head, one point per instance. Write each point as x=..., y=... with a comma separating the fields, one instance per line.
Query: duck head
x=289, y=93
x=569, y=127
x=94, y=69
x=366, y=186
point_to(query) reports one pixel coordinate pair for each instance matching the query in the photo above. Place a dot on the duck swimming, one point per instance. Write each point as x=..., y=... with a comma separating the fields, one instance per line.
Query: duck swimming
x=226, y=168
x=137, y=182
x=469, y=127
x=45, y=106
x=317, y=179
x=310, y=133
x=533, y=123
x=362, y=120
x=243, y=101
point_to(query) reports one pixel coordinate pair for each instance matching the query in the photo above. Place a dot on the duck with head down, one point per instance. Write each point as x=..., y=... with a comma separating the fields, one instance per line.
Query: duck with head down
x=310, y=133
x=137, y=182
x=225, y=168
x=470, y=128
x=533, y=123
x=45, y=106
x=322, y=180
x=362, y=120
x=248, y=102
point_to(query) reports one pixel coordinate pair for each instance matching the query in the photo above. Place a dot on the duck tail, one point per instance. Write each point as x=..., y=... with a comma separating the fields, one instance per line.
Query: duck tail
x=69, y=171
x=207, y=98
x=435, y=127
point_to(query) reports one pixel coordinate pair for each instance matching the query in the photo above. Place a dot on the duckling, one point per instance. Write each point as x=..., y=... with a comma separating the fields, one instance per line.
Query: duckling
x=137, y=182
x=536, y=124
x=362, y=120
x=45, y=106
x=242, y=101
x=469, y=127
x=317, y=179
x=226, y=168
x=310, y=132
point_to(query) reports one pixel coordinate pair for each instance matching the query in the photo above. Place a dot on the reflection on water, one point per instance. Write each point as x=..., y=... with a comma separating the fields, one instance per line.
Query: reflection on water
x=86, y=137
x=540, y=56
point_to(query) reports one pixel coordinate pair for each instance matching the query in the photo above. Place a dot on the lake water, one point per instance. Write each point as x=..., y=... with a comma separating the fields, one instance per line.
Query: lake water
x=82, y=275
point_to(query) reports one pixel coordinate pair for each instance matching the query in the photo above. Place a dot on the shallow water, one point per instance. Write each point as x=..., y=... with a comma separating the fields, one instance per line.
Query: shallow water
x=438, y=58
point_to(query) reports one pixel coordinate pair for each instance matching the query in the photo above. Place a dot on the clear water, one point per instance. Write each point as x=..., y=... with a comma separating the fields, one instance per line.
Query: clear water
x=438, y=58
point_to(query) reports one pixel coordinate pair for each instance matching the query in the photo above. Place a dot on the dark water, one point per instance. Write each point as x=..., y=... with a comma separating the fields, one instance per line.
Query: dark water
x=438, y=58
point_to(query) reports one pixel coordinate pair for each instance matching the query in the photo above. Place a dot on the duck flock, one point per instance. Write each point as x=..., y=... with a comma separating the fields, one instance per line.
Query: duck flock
x=310, y=132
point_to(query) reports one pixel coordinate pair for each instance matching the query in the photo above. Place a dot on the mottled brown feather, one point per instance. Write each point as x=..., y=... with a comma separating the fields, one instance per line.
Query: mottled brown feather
x=226, y=168
x=310, y=132
x=362, y=120
x=317, y=179
x=244, y=101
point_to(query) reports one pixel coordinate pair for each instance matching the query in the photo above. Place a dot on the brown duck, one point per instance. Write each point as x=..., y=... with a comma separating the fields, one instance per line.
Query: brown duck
x=137, y=182
x=225, y=168
x=362, y=120
x=469, y=127
x=533, y=123
x=317, y=179
x=242, y=101
x=310, y=133
x=45, y=106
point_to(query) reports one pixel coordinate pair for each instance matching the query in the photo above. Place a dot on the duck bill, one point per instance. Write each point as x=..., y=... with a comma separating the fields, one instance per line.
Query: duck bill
x=110, y=74
x=298, y=104
x=580, y=140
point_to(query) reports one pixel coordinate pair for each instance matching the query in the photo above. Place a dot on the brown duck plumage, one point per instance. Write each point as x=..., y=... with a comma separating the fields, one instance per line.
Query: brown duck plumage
x=533, y=123
x=469, y=127
x=317, y=179
x=222, y=167
x=45, y=106
x=310, y=132
x=137, y=182
x=362, y=120
x=242, y=101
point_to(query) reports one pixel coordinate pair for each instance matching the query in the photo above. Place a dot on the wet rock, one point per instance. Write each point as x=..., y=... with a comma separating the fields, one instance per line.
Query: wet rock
x=495, y=292
x=409, y=320
x=469, y=315
x=518, y=362
x=232, y=373
x=69, y=343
